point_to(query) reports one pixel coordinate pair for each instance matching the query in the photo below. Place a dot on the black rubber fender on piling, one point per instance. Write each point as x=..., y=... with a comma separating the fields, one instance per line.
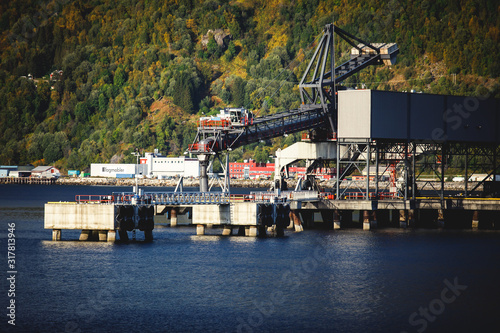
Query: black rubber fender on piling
x=142, y=213
x=129, y=218
x=286, y=212
x=268, y=216
x=280, y=220
x=119, y=216
x=123, y=235
x=150, y=218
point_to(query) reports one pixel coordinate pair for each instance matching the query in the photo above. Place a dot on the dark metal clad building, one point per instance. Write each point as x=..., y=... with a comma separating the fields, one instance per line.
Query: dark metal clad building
x=372, y=114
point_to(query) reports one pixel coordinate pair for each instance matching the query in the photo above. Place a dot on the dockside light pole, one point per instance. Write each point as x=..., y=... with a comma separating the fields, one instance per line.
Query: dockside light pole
x=136, y=154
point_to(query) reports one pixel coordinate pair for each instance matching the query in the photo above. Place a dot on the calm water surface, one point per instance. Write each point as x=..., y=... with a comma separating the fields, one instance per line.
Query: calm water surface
x=388, y=280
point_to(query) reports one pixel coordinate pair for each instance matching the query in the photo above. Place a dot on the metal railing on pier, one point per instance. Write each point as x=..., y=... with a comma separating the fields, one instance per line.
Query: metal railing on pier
x=173, y=198
x=93, y=198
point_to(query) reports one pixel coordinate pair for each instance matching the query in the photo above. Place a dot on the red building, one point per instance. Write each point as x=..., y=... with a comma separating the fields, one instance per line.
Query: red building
x=254, y=170
x=251, y=169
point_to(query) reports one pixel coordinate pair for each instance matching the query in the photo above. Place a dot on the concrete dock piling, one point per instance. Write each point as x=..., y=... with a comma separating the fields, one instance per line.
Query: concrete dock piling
x=200, y=229
x=252, y=231
x=56, y=234
x=227, y=231
x=403, y=219
x=411, y=218
x=336, y=220
x=373, y=220
x=111, y=235
x=297, y=223
x=366, y=220
x=441, y=219
x=103, y=235
x=173, y=217
x=475, y=220
x=85, y=235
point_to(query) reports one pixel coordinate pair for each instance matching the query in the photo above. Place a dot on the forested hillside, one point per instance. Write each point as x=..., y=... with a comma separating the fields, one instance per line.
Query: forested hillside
x=138, y=74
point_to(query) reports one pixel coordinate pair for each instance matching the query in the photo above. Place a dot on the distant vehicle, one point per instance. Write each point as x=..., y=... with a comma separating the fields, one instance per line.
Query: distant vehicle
x=228, y=118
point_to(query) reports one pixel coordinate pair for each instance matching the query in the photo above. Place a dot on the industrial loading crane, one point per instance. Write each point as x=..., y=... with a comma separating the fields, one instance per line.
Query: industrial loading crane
x=318, y=112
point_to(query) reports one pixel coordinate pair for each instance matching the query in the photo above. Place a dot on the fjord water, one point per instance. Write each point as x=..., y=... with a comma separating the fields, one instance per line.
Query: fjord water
x=387, y=280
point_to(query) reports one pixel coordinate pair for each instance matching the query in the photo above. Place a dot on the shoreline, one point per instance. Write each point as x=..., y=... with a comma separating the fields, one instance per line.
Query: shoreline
x=237, y=183
x=241, y=183
x=145, y=182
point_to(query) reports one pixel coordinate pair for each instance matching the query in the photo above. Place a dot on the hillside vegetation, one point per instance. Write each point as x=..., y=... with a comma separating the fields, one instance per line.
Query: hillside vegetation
x=138, y=74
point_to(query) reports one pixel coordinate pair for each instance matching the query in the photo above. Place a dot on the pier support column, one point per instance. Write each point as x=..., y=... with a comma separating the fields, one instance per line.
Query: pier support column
x=373, y=220
x=475, y=220
x=241, y=230
x=252, y=231
x=200, y=229
x=327, y=217
x=297, y=223
x=94, y=235
x=111, y=235
x=56, y=234
x=85, y=235
x=403, y=219
x=366, y=220
x=411, y=218
x=347, y=218
x=148, y=235
x=173, y=217
x=336, y=219
x=227, y=231
x=292, y=221
x=440, y=219
x=103, y=235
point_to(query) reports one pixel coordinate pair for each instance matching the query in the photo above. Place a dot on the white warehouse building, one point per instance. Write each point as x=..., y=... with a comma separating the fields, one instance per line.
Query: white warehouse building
x=162, y=166
x=151, y=165
x=114, y=170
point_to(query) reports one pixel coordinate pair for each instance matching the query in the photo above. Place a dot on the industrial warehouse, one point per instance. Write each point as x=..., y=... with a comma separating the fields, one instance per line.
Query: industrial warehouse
x=152, y=165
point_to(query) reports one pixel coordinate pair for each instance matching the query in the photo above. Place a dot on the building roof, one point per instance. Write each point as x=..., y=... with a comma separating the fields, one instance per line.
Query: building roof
x=41, y=168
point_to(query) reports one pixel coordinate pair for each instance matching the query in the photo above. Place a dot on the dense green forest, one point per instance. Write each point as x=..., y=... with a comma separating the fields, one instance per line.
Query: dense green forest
x=138, y=74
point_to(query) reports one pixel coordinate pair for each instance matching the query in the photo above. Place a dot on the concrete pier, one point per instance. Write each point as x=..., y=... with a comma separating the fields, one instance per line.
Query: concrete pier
x=90, y=218
x=100, y=221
